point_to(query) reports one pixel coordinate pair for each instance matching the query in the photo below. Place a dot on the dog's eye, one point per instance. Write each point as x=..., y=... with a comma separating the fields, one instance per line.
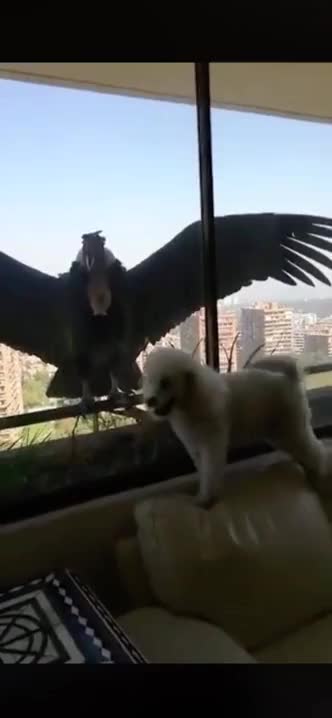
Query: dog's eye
x=164, y=383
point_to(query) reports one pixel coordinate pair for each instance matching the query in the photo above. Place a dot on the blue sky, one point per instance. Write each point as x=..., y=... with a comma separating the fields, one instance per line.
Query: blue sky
x=74, y=161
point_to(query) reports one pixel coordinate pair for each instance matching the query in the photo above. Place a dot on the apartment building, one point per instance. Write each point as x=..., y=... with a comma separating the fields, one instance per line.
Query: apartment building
x=192, y=335
x=318, y=343
x=172, y=338
x=318, y=339
x=228, y=337
x=279, y=328
x=252, y=334
x=11, y=395
x=31, y=365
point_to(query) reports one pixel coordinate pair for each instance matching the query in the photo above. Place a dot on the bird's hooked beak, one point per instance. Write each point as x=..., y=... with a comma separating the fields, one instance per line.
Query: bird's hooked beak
x=89, y=262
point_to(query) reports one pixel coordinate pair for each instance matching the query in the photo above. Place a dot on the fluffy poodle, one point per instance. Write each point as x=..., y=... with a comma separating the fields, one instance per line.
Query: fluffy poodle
x=208, y=411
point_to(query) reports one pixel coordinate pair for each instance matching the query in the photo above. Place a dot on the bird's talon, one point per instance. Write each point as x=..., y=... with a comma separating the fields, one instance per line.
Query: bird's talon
x=114, y=394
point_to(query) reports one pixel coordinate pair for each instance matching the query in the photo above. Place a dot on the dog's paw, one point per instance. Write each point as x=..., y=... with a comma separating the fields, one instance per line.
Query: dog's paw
x=321, y=478
x=204, y=500
x=322, y=482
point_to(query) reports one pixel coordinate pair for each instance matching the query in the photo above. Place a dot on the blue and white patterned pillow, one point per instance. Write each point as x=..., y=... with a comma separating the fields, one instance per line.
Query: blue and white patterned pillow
x=59, y=619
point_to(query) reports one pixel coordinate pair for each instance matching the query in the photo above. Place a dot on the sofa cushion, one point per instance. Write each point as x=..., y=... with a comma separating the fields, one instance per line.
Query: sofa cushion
x=165, y=638
x=309, y=644
x=258, y=564
x=132, y=574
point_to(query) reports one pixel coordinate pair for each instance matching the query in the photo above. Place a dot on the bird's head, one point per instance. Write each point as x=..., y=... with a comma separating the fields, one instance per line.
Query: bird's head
x=94, y=261
x=93, y=250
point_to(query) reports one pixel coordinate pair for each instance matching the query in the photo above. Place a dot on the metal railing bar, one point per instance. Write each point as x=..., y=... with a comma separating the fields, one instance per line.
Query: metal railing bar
x=318, y=368
x=67, y=412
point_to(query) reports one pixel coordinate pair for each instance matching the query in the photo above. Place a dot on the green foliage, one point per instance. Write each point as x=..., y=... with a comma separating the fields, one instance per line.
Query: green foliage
x=34, y=390
x=19, y=472
x=34, y=395
x=62, y=429
x=15, y=474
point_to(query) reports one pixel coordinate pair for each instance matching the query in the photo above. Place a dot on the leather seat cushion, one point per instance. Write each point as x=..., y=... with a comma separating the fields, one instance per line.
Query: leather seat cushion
x=258, y=564
x=165, y=638
x=309, y=644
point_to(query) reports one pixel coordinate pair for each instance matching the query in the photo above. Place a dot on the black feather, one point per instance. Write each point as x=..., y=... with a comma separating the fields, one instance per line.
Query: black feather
x=164, y=289
x=167, y=286
x=299, y=261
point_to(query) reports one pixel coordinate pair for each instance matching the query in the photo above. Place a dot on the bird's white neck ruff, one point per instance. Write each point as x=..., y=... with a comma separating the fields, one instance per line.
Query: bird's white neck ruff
x=109, y=257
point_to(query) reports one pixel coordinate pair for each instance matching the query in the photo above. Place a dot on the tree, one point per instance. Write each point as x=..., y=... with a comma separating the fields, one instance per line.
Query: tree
x=34, y=390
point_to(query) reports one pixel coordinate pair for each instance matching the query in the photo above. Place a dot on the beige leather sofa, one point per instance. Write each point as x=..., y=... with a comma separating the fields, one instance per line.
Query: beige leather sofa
x=248, y=581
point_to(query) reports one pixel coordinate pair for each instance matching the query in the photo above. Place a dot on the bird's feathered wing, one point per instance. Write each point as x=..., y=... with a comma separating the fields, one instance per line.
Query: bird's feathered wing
x=31, y=318
x=167, y=286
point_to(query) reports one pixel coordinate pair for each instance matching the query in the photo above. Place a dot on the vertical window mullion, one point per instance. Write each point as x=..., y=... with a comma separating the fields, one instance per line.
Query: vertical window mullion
x=203, y=103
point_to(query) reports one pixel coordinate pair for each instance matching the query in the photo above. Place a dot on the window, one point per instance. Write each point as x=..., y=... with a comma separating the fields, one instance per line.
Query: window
x=81, y=161
x=273, y=164
x=86, y=161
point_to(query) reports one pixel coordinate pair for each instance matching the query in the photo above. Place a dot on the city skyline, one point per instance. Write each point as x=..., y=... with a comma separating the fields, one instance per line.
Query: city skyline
x=266, y=327
x=260, y=329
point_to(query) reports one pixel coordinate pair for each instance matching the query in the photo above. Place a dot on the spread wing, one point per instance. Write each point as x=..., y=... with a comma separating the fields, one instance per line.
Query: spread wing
x=30, y=316
x=167, y=286
x=35, y=316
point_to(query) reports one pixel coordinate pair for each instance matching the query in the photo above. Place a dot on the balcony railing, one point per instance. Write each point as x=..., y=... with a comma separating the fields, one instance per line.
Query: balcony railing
x=115, y=406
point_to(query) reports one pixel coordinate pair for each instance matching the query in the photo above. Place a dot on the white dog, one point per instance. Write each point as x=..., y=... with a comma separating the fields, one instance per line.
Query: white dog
x=208, y=411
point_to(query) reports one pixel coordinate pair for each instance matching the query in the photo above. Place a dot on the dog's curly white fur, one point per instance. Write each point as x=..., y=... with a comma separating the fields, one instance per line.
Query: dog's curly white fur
x=208, y=411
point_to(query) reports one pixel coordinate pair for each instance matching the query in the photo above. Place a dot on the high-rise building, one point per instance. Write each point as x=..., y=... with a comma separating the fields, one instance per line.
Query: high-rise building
x=252, y=334
x=324, y=324
x=192, y=335
x=302, y=322
x=172, y=338
x=318, y=339
x=228, y=338
x=298, y=338
x=31, y=365
x=299, y=327
x=317, y=343
x=308, y=318
x=279, y=328
x=11, y=394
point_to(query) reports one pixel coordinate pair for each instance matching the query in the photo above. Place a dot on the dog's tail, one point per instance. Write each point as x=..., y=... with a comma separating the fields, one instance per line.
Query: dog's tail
x=282, y=364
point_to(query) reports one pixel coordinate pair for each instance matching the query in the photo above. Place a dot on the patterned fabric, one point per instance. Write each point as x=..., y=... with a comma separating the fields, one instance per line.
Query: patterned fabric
x=59, y=619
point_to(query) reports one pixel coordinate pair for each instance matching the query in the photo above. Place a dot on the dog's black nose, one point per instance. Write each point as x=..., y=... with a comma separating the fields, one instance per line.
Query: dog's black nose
x=152, y=402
